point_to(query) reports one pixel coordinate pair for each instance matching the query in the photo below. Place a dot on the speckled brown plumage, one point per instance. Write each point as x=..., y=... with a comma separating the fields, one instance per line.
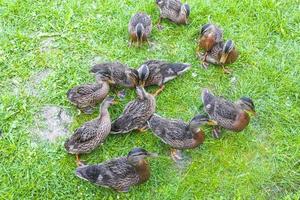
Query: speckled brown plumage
x=161, y=72
x=176, y=133
x=117, y=73
x=229, y=115
x=173, y=10
x=87, y=96
x=136, y=113
x=210, y=34
x=119, y=173
x=215, y=54
x=140, y=27
x=92, y=133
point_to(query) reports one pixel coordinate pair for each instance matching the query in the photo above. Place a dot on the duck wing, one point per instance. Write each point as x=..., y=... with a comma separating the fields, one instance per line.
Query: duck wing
x=175, y=5
x=135, y=115
x=172, y=132
x=225, y=109
x=85, y=133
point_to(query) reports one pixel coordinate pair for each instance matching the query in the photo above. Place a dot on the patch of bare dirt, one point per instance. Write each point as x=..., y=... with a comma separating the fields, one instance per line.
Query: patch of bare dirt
x=52, y=122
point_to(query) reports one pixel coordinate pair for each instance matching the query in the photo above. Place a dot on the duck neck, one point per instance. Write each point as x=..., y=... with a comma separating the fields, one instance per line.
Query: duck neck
x=198, y=134
x=194, y=128
x=182, y=16
x=199, y=137
x=232, y=56
x=143, y=170
x=104, y=110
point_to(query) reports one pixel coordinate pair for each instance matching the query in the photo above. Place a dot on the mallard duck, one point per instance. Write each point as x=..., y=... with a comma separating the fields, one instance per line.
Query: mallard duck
x=86, y=96
x=210, y=34
x=173, y=10
x=138, y=111
x=117, y=74
x=221, y=54
x=161, y=72
x=119, y=173
x=135, y=114
x=178, y=134
x=92, y=133
x=228, y=115
x=139, y=28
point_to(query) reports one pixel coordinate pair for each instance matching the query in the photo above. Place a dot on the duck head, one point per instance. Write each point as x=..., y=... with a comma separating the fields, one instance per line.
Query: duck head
x=139, y=31
x=136, y=155
x=227, y=49
x=247, y=105
x=143, y=74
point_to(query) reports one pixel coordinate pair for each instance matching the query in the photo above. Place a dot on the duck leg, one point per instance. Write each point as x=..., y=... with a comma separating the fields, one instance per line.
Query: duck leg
x=203, y=57
x=143, y=129
x=198, y=47
x=159, y=26
x=216, y=132
x=226, y=70
x=148, y=42
x=204, y=63
x=78, y=161
x=157, y=92
x=130, y=42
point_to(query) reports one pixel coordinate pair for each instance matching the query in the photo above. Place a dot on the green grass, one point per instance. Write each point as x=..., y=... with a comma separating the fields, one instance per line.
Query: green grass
x=262, y=162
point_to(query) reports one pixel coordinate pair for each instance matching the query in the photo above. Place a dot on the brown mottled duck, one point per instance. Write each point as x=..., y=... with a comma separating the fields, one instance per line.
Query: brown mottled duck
x=91, y=133
x=178, y=134
x=173, y=10
x=161, y=72
x=226, y=114
x=120, y=173
x=139, y=28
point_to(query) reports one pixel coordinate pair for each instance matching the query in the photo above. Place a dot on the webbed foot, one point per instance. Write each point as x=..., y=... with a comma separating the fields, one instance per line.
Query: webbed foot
x=204, y=65
x=216, y=133
x=226, y=70
x=78, y=161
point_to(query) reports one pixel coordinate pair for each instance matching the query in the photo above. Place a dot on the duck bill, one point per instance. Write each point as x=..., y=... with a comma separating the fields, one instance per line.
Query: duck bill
x=110, y=81
x=142, y=83
x=152, y=154
x=115, y=102
x=223, y=58
x=133, y=80
x=251, y=112
x=141, y=92
x=212, y=122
